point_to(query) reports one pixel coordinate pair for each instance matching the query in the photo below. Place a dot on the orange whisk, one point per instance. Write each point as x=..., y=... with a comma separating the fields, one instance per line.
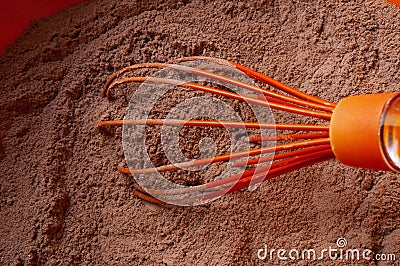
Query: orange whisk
x=361, y=131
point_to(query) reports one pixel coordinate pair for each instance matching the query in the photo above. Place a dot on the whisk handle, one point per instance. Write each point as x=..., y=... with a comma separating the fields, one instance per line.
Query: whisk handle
x=363, y=135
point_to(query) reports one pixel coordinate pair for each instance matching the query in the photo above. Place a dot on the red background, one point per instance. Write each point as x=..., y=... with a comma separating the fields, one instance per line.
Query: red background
x=15, y=15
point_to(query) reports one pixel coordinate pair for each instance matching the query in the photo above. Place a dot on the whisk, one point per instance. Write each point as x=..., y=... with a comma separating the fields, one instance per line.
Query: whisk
x=360, y=131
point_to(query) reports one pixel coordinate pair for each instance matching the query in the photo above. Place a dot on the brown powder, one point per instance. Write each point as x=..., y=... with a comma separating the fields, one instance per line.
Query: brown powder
x=62, y=200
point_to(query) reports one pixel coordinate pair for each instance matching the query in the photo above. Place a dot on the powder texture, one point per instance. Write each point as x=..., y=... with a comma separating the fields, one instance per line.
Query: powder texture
x=62, y=201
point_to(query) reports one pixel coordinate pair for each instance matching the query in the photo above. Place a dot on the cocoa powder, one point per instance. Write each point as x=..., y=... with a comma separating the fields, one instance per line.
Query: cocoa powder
x=62, y=201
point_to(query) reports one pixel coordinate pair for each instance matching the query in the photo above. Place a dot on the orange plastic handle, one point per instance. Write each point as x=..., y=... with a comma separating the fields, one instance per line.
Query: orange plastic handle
x=396, y=2
x=356, y=131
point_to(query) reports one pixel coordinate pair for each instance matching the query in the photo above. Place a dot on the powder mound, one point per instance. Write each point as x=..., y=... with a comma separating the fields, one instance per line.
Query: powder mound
x=62, y=201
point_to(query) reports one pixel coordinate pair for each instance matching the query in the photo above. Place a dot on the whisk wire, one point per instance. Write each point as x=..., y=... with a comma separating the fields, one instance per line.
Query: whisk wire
x=313, y=148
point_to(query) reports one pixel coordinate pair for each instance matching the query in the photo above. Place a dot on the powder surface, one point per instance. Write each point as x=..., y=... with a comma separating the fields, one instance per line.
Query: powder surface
x=62, y=201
